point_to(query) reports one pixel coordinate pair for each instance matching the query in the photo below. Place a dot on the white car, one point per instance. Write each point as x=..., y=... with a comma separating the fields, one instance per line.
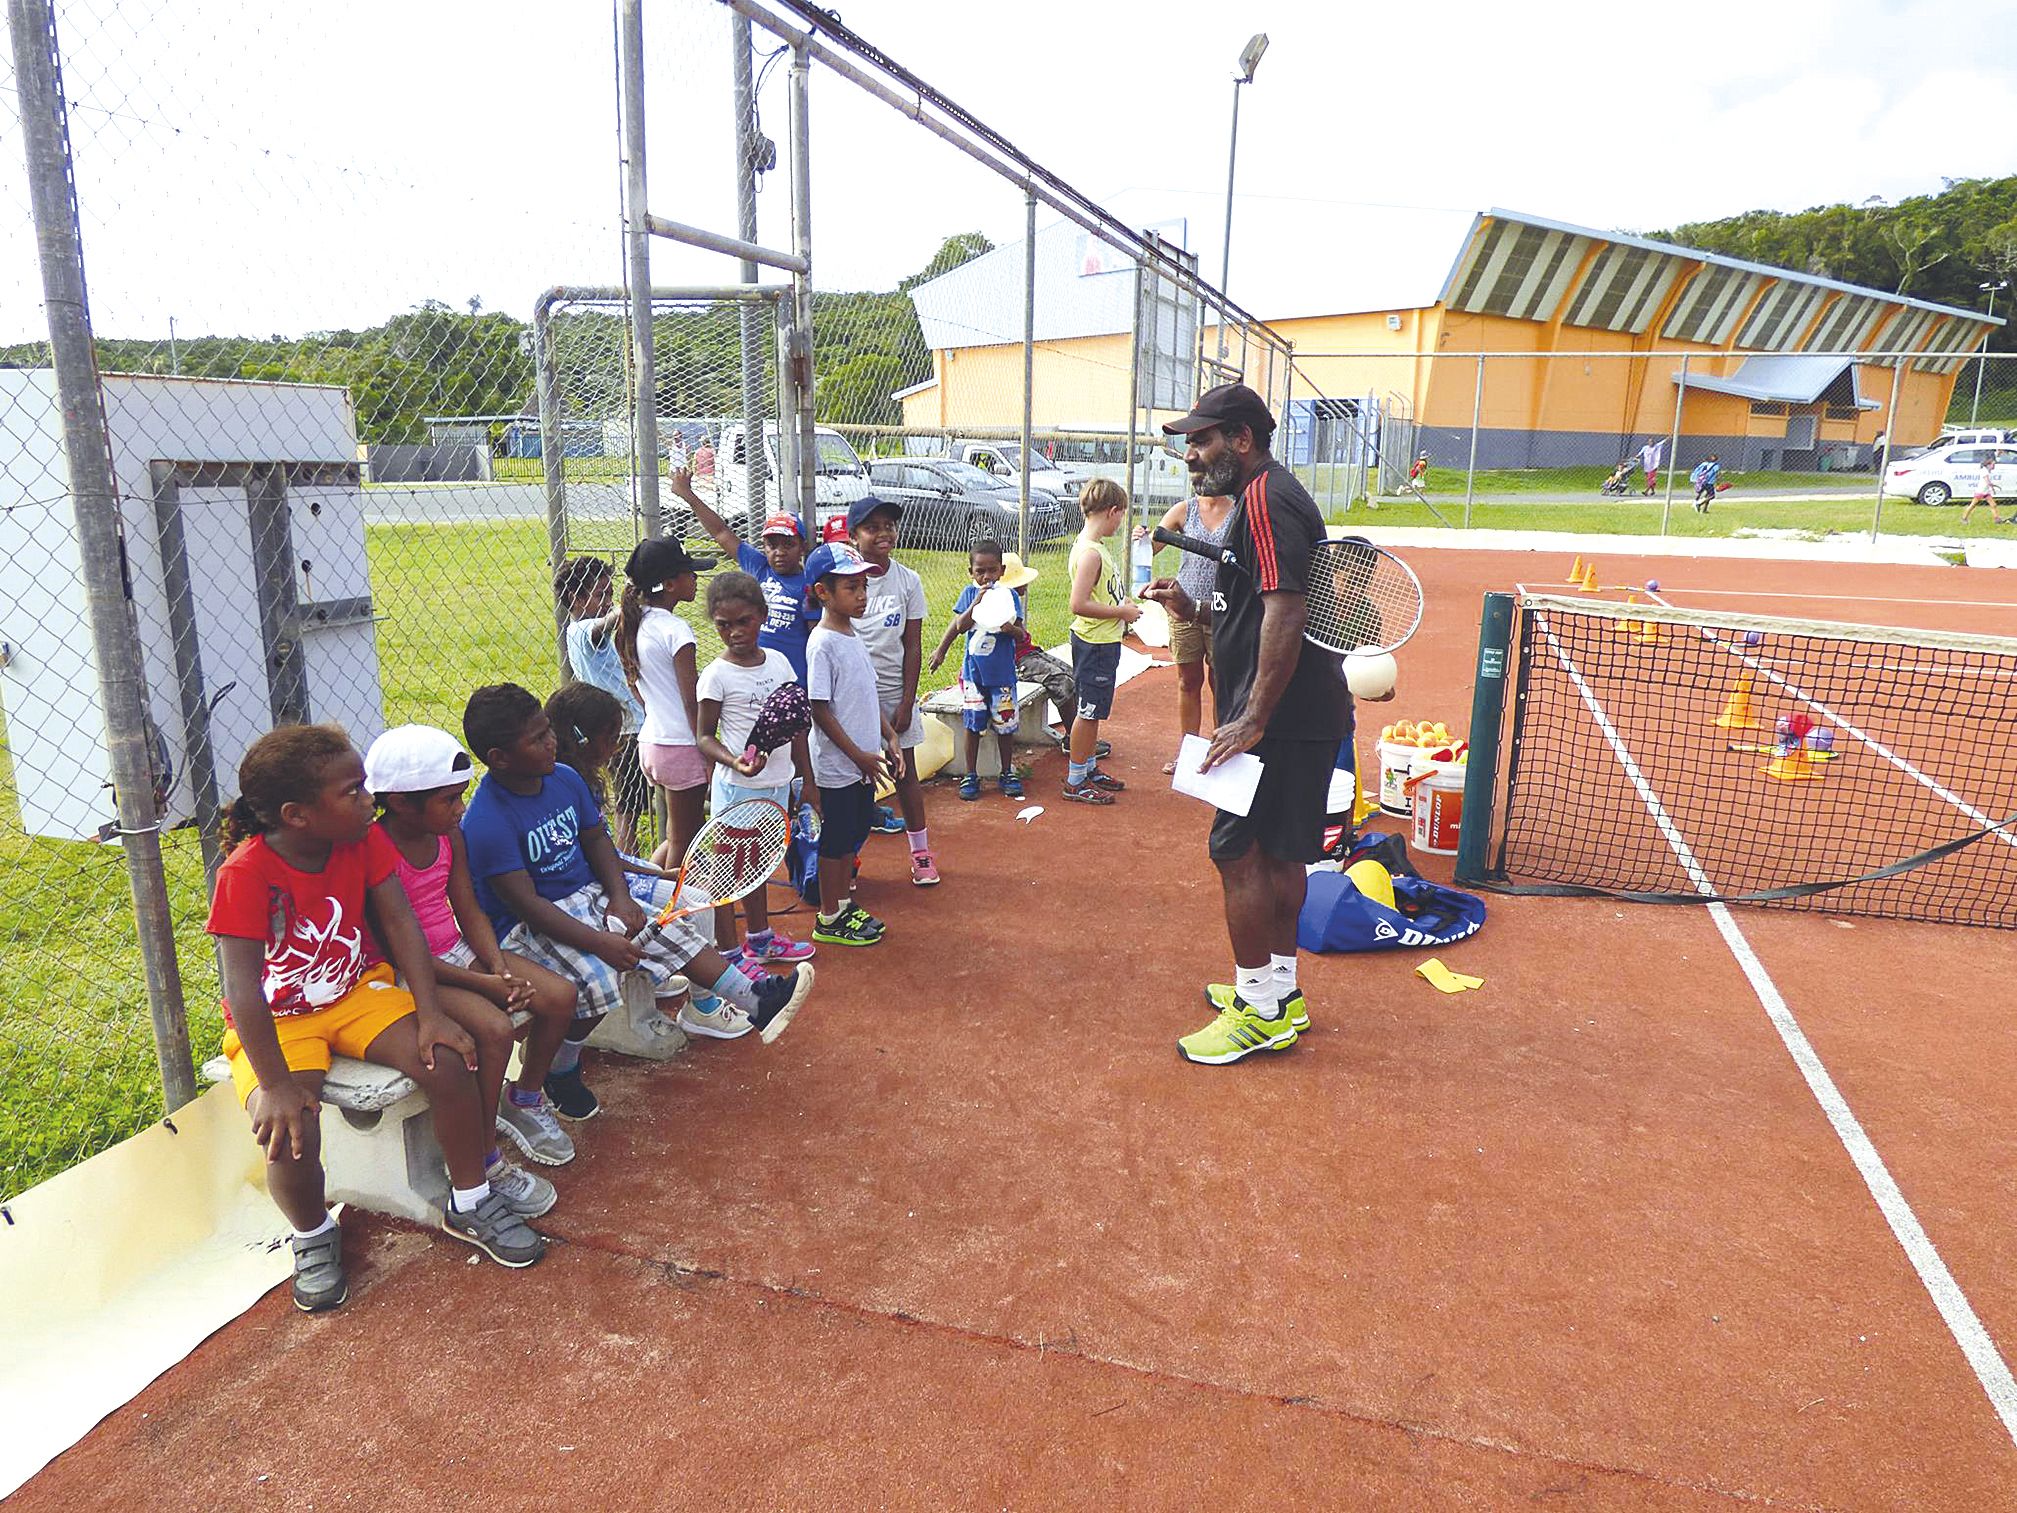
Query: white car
x=1941, y=474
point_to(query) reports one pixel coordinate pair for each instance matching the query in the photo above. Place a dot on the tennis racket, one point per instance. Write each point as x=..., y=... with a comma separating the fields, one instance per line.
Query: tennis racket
x=1358, y=595
x=781, y=719
x=729, y=857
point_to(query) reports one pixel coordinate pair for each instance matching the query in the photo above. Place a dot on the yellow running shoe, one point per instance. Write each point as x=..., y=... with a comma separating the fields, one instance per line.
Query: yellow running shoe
x=1236, y=1033
x=1220, y=996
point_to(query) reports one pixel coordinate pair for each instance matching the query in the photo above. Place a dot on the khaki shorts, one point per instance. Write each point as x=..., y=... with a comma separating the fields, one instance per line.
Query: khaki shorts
x=1190, y=641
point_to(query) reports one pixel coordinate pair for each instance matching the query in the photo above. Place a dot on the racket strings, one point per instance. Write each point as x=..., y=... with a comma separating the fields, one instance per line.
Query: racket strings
x=735, y=853
x=1359, y=597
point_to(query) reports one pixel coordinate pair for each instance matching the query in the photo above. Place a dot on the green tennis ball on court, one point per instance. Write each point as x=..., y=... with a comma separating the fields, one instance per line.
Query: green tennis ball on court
x=1370, y=673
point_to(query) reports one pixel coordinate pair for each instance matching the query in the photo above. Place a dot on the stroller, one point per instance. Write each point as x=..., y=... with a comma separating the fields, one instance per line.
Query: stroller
x=1620, y=482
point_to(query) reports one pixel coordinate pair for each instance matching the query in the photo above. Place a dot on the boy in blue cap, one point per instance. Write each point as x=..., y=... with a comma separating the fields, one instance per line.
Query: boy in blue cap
x=779, y=569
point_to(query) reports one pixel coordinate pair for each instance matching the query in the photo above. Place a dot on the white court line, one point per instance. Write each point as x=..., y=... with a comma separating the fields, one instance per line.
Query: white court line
x=1757, y=664
x=1955, y=1310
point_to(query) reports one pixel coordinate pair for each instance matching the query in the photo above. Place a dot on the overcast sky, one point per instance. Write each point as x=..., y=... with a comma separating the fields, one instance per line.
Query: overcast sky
x=252, y=168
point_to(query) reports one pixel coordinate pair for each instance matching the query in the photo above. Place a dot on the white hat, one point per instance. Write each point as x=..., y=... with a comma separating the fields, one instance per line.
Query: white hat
x=415, y=759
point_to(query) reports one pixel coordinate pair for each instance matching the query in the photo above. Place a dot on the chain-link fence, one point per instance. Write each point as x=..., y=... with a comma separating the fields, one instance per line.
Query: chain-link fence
x=306, y=393
x=1808, y=442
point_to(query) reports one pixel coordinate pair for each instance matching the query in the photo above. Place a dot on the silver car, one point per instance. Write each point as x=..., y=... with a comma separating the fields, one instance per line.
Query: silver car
x=950, y=505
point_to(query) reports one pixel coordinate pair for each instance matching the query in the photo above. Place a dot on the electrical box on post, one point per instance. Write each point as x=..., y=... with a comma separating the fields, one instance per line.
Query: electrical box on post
x=242, y=523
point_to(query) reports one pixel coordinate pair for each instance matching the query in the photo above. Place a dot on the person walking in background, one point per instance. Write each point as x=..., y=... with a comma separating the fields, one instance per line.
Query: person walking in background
x=1204, y=517
x=1704, y=478
x=1651, y=455
x=1985, y=490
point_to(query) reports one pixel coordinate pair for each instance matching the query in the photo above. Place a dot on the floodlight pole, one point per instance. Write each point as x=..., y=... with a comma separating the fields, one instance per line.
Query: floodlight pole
x=1250, y=59
x=1982, y=357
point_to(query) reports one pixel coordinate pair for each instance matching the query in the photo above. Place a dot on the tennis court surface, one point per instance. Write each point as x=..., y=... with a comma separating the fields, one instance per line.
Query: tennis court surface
x=1686, y=1208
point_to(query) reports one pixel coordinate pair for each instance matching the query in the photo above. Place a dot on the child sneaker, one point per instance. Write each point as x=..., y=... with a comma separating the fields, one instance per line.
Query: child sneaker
x=854, y=928
x=778, y=999
x=923, y=870
x=570, y=1095
x=1011, y=786
x=780, y=948
x=528, y=1193
x=495, y=1230
x=717, y=1018
x=887, y=821
x=534, y=1130
x=969, y=786
x=319, y=1283
x=739, y=958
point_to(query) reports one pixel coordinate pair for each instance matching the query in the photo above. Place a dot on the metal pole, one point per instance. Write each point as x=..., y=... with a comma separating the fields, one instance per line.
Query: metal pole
x=175, y=357
x=757, y=466
x=1488, y=708
x=1981, y=362
x=552, y=460
x=1477, y=415
x=801, y=283
x=1890, y=440
x=1029, y=370
x=637, y=267
x=1674, y=445
x=1136, y=496
x=94, y=496
x=1226, y=260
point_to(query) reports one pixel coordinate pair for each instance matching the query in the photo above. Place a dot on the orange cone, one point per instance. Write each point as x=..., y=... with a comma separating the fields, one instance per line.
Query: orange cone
x=1793, y=766
x=1590, y=584
x=1648, y=631
x=1737, y=714
x=1576, y=574
x=1627, y=627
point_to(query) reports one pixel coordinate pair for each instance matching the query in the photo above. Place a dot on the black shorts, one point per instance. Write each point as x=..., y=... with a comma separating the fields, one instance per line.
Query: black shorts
x=1287, y=819
x=845, y=815
x=1095, y=667
x=629, y=790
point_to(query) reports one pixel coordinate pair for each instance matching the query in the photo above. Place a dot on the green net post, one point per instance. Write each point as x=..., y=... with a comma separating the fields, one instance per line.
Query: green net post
x=1488, y=708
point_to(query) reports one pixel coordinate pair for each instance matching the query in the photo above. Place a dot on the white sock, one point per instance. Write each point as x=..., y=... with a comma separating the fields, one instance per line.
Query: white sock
x=838, y=910
x=328, y=1223
x=1284, y=968
x=1257, y=986
x=465, y=1199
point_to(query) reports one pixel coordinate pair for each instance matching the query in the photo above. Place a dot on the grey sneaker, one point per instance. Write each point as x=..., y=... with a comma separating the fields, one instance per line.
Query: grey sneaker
x=534, y=1131
x=319, y=1283
x=528, y=1193
x=495, y=1230
x=718, y=1019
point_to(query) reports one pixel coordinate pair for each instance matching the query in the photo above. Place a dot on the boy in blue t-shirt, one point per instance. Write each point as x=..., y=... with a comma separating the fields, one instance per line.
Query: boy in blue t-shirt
x=987, y=681
x=556, y=891
x=779, y=570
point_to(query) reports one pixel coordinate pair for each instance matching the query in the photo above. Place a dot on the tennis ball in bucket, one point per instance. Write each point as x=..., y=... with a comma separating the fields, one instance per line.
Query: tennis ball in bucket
x=1370, y=673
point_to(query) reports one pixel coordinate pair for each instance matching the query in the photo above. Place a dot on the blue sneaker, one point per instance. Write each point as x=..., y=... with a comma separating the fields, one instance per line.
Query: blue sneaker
x=887, y=821
x=969, y=786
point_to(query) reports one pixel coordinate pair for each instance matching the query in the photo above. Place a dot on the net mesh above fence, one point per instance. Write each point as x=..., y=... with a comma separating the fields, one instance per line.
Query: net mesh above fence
x=1675, y=752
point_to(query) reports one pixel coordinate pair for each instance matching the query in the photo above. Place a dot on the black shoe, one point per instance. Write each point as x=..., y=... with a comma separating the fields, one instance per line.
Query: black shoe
x=1103, y=749
x=570, y=1096
x=778, y=997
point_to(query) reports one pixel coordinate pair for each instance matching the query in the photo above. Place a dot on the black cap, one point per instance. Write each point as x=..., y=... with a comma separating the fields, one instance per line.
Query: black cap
x=657, y=558
x=1228, y=404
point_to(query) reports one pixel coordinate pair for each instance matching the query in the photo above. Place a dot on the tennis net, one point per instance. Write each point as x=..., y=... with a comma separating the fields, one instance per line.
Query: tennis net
x=1680, y=755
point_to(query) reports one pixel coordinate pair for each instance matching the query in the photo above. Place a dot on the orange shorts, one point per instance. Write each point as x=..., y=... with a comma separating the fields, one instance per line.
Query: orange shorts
x=346, y=1028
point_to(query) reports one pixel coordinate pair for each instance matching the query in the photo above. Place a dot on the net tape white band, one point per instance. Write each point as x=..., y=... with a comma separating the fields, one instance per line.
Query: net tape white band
x=1830, y=630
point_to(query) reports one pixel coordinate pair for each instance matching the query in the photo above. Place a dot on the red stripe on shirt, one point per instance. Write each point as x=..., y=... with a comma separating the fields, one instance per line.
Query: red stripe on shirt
x=1267, y=571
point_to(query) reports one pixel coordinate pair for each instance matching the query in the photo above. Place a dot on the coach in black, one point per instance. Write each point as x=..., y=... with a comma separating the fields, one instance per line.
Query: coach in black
x=1277, y=696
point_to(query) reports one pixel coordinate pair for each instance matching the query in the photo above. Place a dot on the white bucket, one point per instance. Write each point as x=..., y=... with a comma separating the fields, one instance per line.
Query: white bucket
x=1439, y=809
x=1397, y=765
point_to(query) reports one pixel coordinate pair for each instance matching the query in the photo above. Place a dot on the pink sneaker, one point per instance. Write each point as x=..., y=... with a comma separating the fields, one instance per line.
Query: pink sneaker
x=782, y=948
x=923, y=870
x=740, y=958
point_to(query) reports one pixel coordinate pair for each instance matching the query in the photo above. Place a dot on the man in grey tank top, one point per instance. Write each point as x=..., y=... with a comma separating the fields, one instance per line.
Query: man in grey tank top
x=1205, y=517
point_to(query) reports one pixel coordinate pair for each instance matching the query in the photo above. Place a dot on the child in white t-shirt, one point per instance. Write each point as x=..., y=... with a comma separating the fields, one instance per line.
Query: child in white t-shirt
x=732, y=689
x=658, y=655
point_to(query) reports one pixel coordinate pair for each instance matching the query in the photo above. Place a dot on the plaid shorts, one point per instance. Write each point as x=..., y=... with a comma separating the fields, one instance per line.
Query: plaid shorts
x=600, y=983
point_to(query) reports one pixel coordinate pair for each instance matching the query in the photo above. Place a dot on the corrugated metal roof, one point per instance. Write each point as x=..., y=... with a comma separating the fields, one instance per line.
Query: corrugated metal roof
x=1787, y=378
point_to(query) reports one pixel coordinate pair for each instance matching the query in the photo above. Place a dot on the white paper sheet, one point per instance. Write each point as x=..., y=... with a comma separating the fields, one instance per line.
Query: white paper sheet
x=1228, y=786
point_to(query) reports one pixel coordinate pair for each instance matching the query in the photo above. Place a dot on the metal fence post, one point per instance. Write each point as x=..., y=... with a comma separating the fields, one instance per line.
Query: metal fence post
x=1477, y=414
x=94, y=496
x=552, y=459
x=1029, y=370
x=802, y=336
x=637, y=267
x=757, y=464
x=1890, y=436
x=1135, y=494
x=1674, y=444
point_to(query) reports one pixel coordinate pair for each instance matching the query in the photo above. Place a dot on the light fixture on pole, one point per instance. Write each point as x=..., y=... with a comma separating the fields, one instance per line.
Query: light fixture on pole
x=1250, y=59
x=1982, y=357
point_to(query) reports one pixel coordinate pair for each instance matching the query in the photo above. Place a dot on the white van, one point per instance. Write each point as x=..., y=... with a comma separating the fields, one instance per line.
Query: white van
x=1003, y=460
x=838, y=475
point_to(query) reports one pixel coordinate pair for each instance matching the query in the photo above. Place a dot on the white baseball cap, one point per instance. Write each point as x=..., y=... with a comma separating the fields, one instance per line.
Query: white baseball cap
x=416, y=759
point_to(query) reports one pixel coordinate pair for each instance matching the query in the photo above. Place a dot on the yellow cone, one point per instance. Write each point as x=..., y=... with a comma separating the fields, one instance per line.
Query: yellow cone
x=1373, y=881
x=1648, y=631
x=1590, y=584
x=1793, y=767
x=1737, y=713
x=1626, y=627
x=1576, y=574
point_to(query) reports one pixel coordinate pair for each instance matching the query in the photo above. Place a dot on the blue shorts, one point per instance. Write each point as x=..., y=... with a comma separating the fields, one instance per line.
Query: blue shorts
x=983, y=709
x=725, y=792
x=844, y=819
x=1096, y=666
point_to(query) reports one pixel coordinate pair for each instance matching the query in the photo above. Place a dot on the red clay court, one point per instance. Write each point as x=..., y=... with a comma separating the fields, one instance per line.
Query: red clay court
x=1598, y=1235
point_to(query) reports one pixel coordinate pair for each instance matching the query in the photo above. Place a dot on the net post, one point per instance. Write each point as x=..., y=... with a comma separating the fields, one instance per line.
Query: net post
x=1488, y=707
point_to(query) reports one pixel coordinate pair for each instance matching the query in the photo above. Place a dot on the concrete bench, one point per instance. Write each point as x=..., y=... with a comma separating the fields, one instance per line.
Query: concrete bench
x=379, y=1150
x=1032, y=725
